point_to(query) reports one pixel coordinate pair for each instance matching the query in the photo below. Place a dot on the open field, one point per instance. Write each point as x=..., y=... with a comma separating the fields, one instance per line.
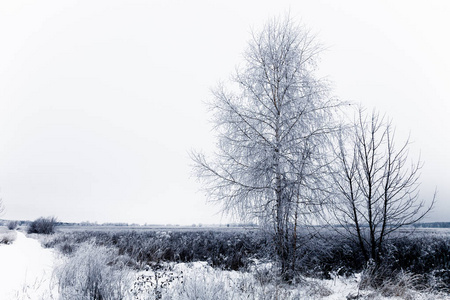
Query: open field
x=112, y=228
x=425, y=231
x=164, y=262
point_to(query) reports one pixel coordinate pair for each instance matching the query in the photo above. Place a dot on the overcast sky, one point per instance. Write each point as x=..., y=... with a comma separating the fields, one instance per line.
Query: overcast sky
x=101, y=101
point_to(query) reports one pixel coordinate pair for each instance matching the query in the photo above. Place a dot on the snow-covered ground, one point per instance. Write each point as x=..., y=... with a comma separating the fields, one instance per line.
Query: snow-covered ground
x=26, y=270
x=200, y=281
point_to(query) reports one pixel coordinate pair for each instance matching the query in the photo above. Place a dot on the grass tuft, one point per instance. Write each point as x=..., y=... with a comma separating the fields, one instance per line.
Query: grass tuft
x=8, y=237
x=93, y=272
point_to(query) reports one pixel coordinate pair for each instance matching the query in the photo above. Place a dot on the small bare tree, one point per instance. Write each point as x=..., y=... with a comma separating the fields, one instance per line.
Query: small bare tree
x=271, y=123
x=377, y=189
x=2, y=207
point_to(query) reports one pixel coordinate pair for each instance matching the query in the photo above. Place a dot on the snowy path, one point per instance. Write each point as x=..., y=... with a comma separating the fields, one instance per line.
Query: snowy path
x=26, y=270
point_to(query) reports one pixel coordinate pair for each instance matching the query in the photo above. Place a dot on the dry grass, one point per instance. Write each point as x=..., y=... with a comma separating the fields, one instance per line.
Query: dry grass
x=7, y=237
x=93, y=272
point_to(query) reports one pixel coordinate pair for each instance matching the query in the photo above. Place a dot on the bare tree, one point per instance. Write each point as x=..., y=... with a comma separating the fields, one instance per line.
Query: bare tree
x=271, y=124
x=377, y=189
x=2, y=207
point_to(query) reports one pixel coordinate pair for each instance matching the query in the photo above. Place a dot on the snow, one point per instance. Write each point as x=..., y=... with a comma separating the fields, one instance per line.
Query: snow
x=199, y=280
x=26, y=270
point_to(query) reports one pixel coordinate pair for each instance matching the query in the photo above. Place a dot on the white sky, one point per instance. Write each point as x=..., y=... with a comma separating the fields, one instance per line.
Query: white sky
x=101, y=101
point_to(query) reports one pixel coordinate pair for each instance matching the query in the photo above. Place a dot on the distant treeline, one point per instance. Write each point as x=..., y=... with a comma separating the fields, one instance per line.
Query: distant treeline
x=433, y=225
x=86, y=223
x=19, y=222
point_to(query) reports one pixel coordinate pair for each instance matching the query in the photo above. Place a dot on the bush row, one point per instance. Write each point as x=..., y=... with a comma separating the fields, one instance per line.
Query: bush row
x=225, y=250
x=317, y=256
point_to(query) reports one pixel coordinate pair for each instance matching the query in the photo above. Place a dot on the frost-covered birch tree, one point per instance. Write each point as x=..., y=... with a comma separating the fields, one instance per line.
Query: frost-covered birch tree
x=376, y=186
x=272, y=121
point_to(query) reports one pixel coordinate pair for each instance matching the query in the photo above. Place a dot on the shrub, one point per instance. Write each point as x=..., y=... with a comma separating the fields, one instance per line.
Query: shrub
x=93, y=272
x=419, y=262
x=12, y=225
x=7, y=238
x=43, y=226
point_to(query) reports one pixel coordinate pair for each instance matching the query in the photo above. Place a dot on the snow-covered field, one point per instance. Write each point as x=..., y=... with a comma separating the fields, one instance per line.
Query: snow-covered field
x=200, y=281
x=26, y=269
x=28, y=272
